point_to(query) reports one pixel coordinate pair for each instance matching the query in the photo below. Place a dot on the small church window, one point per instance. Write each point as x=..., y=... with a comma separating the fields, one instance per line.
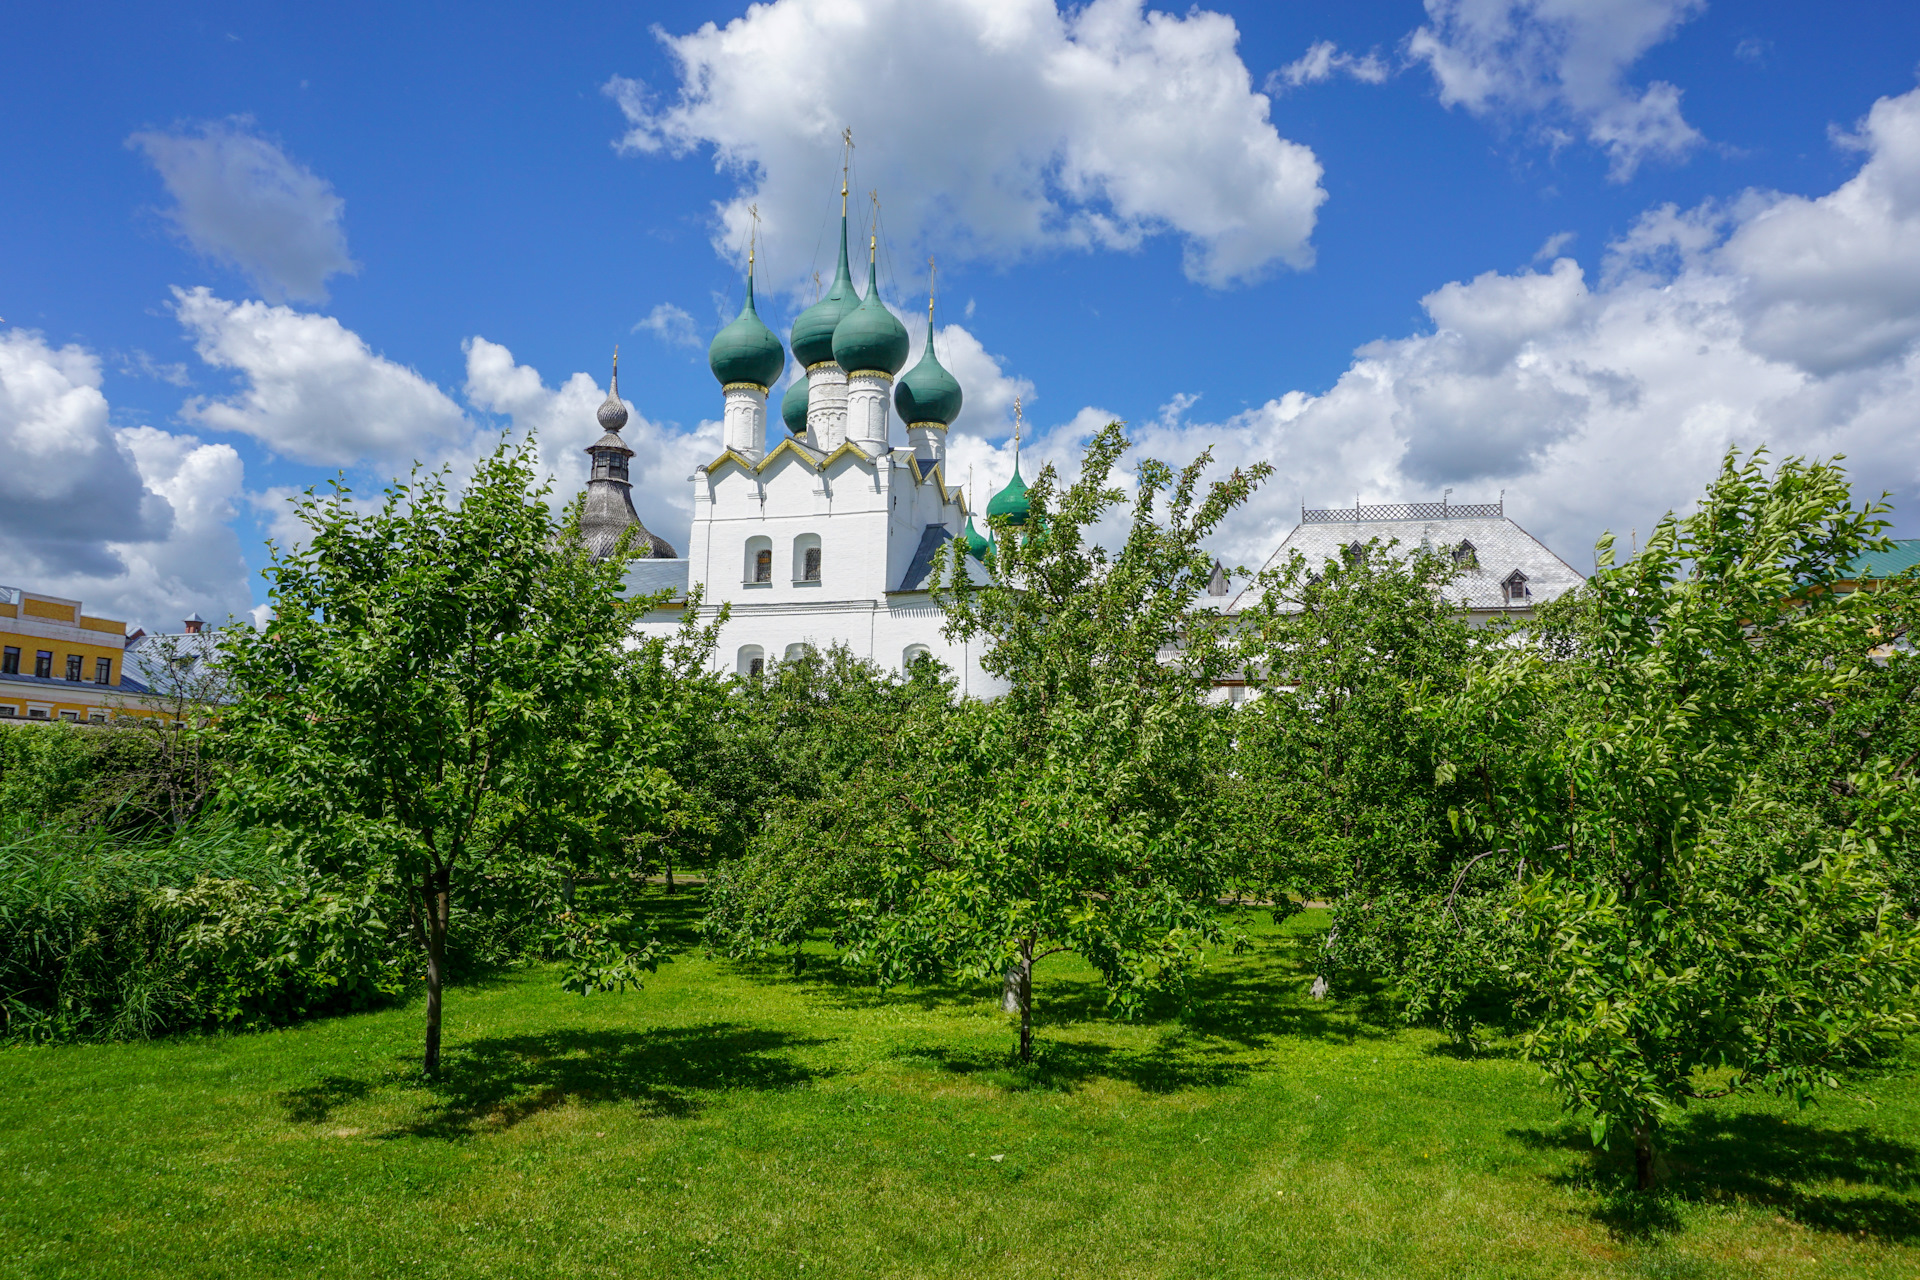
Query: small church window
x=759, y=566
x=914, y=653
x=752, y=660
x=806, y=558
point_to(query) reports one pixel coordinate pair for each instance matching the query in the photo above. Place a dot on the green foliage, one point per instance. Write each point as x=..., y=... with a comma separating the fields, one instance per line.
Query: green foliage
x=789, y=757
x=199, y=929
x=1334, y=793
x=439, y=697
x=1076, y=813
x=1693, y=926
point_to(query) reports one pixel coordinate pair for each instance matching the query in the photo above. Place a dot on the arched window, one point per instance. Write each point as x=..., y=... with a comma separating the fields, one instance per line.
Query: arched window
x=758, y=570
x=753, y=660
x=795, y=652
x=806, y=558
x=913, y=654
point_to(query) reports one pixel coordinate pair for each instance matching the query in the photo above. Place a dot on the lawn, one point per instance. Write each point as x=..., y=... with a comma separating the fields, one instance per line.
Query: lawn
x=731, y=1120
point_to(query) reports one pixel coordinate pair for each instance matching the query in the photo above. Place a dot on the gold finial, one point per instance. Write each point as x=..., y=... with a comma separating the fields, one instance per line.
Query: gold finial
x=753, y=237
x=816, y=286
x=1016, y=433
x=931, y=270
x=614, y=388
x=846, y=166
x=873, y=248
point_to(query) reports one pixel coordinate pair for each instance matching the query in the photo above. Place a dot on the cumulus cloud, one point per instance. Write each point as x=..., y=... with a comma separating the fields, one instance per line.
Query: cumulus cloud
x=313, y=390
x=1321, y=62
x=671, y=325
x=1562, y=63
x=68, y=486
x=132, y=522
x=562, y=420
x=1786, y=321
x=239, y=199
x=999, y=127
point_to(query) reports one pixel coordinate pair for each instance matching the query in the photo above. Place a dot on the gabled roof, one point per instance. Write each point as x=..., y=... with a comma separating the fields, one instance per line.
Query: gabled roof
x=1500, y=547
x=933, y=544
x=807, y=454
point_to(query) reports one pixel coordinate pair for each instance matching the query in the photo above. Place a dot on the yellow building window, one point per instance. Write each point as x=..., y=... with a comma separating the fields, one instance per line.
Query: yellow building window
x=103, y=670
x=73, y=667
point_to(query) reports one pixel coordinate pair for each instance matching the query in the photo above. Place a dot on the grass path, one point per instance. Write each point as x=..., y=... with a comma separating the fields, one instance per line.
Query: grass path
x=728, y=1121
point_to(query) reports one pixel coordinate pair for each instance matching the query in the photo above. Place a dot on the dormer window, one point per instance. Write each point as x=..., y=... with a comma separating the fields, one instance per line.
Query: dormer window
x=1355, y=552
x=1466, y=555
x=1515, y=588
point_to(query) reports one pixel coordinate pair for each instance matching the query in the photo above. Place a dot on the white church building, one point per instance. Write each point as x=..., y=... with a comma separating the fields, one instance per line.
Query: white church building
x=828, y=534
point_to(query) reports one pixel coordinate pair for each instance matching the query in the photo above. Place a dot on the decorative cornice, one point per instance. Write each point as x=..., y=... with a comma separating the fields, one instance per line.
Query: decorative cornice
x=744, y=386
x=881, y=374
x=823, y=364
x=932, y=426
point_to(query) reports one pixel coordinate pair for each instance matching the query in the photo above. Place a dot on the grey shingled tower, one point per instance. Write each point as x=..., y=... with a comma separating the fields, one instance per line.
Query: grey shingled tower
x=609, y=509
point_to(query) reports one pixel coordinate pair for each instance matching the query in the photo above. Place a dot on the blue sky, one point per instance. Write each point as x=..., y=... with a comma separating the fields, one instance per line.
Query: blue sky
x=1569, y=249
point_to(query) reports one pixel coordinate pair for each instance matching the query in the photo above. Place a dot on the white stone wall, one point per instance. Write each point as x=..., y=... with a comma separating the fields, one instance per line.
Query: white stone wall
x=869, y=515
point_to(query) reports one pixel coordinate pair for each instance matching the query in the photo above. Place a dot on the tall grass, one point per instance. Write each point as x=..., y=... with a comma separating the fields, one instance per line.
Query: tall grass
x=111, y=936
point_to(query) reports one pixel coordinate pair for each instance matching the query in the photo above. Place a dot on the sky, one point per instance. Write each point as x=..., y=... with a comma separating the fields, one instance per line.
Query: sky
x=1564, y=251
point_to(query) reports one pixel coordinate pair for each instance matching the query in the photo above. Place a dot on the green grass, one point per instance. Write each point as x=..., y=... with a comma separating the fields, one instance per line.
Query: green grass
x=734, y=1121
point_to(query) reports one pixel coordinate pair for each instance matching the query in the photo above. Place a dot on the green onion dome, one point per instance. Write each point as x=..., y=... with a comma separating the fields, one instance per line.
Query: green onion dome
x=976, y=545
x=871, y=337
x=1010, y=504
x=746, y=350
x=928, y=393
x=793, y=406
x=813, y=330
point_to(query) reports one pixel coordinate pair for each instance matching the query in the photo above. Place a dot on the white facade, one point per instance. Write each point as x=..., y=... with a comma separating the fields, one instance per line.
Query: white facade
x=874, y=517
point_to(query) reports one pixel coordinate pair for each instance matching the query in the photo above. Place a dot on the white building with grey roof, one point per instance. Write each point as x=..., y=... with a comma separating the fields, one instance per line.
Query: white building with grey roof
x=1504, y=571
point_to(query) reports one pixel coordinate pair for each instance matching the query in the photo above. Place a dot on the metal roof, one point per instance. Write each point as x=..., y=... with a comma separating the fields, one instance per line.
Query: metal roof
x=1500, y=548
x=1904, y=555
x=648, y=577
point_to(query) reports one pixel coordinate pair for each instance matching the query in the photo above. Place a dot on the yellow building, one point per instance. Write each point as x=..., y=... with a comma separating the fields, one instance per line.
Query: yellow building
x=57, y=663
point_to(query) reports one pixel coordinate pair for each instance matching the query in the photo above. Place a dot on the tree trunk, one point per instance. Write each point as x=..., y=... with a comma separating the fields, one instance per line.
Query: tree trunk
x=799, y=957
x=437, y=901
x=669, y=862
x=1017, y=996
x=1643, y=1156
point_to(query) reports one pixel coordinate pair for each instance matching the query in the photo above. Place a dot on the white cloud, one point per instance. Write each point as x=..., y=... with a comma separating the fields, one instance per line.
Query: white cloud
x=563, y=422
x=996, y=128
x=1563, y=62
x=1321, y=62
x=131, y=522
x=313, y=389
x=68, y=486
x=1785, y=321
x=239, y=199
x=671, y=325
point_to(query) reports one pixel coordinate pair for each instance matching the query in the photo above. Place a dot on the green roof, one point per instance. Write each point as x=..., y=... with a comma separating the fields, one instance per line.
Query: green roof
x=871, y=337
x=976, y=545
x=1010, y=504
x=793, y=405
x=813, y=329
x=746, y=350
x=928, y=393
x=1902, y=556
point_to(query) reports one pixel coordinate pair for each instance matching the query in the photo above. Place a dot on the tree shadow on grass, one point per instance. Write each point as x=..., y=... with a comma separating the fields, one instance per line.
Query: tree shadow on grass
x=1061, y=1066
x=494, y=1083
x=1757, y=1159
